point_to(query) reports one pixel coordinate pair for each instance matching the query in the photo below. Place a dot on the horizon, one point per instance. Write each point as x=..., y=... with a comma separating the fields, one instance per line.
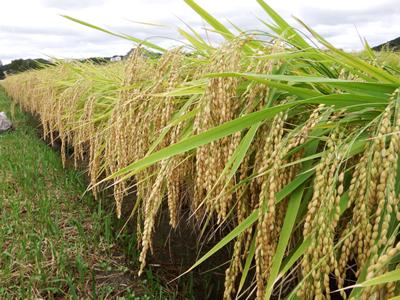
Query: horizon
x=41, y=32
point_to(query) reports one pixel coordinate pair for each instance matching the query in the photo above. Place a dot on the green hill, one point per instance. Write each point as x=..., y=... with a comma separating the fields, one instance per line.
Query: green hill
x=390, y=45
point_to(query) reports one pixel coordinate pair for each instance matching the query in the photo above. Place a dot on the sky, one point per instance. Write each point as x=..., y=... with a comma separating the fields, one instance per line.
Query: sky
x=35, y=28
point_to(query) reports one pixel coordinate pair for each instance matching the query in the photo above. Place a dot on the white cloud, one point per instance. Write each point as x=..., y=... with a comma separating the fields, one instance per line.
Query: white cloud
x=68, y=4
x=34, y=28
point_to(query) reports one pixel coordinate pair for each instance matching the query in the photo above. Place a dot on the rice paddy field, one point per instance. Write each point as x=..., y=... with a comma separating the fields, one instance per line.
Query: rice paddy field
x=277, y=146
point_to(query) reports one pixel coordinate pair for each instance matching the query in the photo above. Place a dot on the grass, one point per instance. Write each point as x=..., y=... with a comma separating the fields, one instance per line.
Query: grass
x=54, y=240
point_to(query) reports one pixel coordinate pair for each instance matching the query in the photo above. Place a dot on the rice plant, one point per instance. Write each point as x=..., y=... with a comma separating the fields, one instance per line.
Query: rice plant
x=290, y=147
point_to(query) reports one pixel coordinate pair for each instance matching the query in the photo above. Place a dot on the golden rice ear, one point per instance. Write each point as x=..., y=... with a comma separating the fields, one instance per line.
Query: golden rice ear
x=379, y=267
x=151, y=209
x=219, y=96
x=321, y=207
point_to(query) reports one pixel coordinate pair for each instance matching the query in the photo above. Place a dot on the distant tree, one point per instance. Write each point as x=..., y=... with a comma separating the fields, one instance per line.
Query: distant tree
x=145, y=52
x=96, y=60
x=2, y=75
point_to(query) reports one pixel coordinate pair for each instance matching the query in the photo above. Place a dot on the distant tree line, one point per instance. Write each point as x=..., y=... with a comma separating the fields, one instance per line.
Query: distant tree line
x=22, y=65
x=1, y=71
